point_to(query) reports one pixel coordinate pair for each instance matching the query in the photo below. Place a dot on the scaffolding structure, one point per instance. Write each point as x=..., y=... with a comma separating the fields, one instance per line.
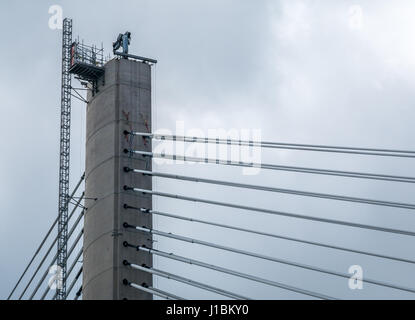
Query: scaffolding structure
x=64, y=158
x=87, y=63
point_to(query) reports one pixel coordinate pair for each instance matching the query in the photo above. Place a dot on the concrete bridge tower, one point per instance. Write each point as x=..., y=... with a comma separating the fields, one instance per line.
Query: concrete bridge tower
x=122, y=102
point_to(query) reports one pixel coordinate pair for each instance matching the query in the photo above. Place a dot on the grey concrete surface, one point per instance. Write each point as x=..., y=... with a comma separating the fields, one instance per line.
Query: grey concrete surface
x=122, y=103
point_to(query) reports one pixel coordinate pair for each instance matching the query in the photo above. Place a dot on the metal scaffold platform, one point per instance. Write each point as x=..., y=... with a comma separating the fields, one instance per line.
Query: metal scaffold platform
x=87, y=62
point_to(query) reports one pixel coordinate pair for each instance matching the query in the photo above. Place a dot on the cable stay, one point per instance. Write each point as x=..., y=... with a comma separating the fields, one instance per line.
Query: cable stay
x=153, y=291
x=78, y=294
x=53, y=262
x=281, y=145
x=172, y=216
x=74, y=263
x=338, y=173
x=271, y=212
x=276, y=190
x=264, y=257
x=44, y=239
x=228, y=271
x=187, y=281
x=52, y=245
x=78, y=274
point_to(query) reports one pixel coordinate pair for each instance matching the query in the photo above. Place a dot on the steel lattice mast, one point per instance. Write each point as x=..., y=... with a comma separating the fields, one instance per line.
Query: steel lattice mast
x=65, y=138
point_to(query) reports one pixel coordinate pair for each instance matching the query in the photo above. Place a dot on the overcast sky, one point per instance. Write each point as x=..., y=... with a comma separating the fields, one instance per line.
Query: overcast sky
x=321, y=72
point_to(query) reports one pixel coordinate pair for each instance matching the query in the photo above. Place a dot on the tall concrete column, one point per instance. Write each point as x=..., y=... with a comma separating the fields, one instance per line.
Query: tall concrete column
x=123, y=102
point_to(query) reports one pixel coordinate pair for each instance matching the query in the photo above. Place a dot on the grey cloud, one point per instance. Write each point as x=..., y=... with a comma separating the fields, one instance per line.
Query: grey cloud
x=294, y=69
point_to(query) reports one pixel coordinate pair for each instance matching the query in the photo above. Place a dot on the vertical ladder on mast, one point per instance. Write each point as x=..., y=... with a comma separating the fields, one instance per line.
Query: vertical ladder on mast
x=64, y=156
